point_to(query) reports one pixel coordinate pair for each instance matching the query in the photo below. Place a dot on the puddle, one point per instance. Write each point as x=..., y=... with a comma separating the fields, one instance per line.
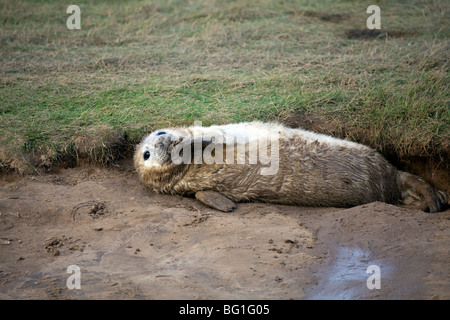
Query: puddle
x=346, y=278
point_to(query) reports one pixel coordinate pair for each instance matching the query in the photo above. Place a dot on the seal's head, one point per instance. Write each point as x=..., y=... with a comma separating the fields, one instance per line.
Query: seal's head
x=153, y=159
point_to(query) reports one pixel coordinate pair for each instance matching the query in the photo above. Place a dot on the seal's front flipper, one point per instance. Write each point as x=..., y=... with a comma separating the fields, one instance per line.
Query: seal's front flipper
x=215, y=200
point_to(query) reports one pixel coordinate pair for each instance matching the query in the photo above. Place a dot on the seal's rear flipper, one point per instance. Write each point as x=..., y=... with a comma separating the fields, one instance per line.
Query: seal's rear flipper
x=215, y=200
x=415, y=189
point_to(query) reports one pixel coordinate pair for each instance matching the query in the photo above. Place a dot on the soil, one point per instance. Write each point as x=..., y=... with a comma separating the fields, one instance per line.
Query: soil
x=130, y=243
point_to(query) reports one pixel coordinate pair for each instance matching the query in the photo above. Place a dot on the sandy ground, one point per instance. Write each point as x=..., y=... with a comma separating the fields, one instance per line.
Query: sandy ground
x=132, y=244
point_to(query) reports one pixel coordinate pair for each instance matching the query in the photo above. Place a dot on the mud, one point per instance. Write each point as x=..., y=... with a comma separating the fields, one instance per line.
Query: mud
x=132, y=244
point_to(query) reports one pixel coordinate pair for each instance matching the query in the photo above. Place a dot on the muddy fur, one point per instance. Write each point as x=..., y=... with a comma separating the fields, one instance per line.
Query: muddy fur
x=314, y=170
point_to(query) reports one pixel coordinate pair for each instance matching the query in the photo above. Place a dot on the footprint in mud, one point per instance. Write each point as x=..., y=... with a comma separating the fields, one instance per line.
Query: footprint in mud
x=93, y=209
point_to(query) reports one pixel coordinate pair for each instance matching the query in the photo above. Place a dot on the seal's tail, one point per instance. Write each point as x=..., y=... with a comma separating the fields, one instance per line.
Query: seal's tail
x=415, y=189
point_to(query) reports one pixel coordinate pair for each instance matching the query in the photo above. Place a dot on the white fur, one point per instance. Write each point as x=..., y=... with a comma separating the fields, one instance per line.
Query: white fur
x=248, y=132
x=257, y=130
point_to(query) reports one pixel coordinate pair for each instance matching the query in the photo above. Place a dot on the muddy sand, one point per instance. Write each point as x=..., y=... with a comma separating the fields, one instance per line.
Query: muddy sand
x=132, y=244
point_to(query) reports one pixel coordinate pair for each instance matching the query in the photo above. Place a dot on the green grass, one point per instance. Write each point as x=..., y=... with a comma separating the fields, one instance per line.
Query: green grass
x=140, y=65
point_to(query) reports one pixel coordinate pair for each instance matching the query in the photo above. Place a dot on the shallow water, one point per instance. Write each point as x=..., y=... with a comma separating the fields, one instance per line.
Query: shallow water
x=347, y=276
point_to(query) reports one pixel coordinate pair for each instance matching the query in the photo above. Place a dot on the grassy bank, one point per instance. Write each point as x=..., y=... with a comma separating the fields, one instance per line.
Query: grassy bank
x=139, y=65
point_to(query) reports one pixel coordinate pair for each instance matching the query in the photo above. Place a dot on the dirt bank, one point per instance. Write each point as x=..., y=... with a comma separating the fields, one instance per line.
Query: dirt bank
x=130, y=243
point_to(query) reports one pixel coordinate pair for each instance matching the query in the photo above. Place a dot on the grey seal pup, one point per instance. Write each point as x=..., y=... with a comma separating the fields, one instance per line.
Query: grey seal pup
x=304, y=168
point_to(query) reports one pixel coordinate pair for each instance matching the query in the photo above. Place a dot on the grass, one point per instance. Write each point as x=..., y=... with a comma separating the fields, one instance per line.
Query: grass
x=140, y=65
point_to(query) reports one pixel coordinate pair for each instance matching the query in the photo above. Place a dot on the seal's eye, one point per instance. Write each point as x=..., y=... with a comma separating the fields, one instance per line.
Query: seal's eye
x=160, y=133
x=146, y=155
